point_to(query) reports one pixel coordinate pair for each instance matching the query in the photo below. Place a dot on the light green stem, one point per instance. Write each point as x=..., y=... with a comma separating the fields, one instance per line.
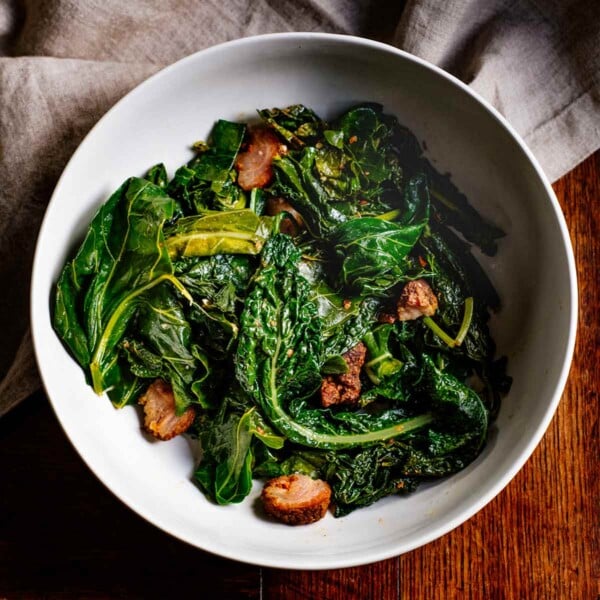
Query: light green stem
x=466, y=322
x=463, y=330
x=450, y=342
x=391, y=215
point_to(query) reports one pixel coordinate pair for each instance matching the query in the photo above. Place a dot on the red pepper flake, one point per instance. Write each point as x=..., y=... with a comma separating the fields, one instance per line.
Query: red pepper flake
x=347, y=304
x=422, y=262
x=353, y=139
x=387, y=317
x=363, y=201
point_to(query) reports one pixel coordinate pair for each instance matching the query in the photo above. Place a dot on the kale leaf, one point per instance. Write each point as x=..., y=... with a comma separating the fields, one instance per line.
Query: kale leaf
x=279, y=355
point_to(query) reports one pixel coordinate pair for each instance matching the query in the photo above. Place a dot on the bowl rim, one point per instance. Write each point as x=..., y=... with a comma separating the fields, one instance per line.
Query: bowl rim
x=39, y=312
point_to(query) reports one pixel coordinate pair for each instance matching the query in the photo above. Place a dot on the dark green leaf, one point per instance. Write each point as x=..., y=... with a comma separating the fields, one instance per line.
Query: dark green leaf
x=208, y=181
x=372, y=252
x=295, y=181
x=295, y=124
x=157, y=175
x=225, y=472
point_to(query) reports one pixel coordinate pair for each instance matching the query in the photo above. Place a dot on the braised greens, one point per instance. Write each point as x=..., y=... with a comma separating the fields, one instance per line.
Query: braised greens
x=189, y=281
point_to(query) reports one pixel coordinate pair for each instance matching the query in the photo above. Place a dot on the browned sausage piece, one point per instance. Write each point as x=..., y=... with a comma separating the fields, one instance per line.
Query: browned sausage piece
x=345, y=388
x=416, y=300
x=296, y=499
x=159, y=412
x=254, y=164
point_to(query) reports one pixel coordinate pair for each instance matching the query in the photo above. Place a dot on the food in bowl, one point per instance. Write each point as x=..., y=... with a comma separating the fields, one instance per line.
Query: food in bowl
x=302, y=297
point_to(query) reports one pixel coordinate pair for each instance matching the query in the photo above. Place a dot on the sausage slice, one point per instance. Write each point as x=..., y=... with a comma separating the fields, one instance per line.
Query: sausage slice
x=254, y=164
x=345, y=388
x=416, y=300
x=296, y=499
x=160, y=418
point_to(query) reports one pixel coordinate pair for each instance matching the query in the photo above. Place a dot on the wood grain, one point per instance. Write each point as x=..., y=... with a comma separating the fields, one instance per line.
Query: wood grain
x=64, y=536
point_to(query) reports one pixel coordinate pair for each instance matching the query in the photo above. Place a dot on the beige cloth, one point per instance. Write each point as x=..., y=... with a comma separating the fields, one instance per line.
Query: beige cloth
x=63, y=63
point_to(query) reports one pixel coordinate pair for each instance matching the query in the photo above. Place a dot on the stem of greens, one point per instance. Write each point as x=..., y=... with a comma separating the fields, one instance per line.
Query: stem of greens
x=309, y=437
x=440, y=198
x=466, y=322
x=390, y=215
x=450, y=342
x=369, y=367
x=462, y=332
x=252, y=203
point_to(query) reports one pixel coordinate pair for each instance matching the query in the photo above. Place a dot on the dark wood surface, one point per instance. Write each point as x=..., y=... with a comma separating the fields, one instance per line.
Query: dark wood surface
x=63, y=535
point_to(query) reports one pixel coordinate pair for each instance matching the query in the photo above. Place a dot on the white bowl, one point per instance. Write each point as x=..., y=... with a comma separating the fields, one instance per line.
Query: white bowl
x=533, y=271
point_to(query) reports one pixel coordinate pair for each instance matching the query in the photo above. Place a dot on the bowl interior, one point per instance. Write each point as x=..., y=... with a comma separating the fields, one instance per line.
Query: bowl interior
x=533, y=272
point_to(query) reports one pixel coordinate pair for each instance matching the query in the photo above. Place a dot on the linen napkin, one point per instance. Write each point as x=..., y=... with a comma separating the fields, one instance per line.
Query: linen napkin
x=63, y=63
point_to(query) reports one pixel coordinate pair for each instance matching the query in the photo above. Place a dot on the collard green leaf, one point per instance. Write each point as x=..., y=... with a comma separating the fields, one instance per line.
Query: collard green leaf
x=215, y=164
x=230, y=232
x=361, y=478
x=335, y=365
x=345, y=320
x=218, y=281
x=380, y=363
x=218, y=286
x=257, y=201
x=191, y=193
x=457, y=406
x=225, y=471
x=280, y=344
x=372, y=252
x=143, y=363
x=368, y=139
x=69, y=318
x=122, y=258
x=352, y=171
x=162, y=327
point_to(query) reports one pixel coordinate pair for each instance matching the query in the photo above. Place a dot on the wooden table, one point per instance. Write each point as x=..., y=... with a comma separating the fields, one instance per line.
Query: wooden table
x=63, y=535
